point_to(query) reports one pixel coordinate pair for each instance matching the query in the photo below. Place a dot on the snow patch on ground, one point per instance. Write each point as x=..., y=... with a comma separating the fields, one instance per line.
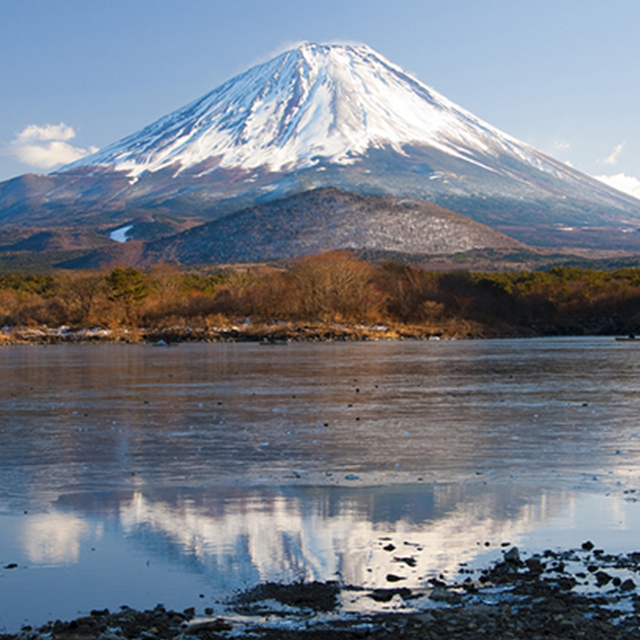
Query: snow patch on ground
x=120, y=234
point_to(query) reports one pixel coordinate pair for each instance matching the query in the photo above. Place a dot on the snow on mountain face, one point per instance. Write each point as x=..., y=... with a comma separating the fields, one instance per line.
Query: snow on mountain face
x=316, y=102
x=328, y=116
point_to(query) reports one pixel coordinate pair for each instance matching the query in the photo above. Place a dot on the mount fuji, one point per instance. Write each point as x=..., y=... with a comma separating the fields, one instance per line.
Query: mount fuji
x=322, y=116
x=309, y=106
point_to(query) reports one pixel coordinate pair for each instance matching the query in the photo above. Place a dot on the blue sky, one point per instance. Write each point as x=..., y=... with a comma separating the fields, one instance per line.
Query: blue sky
x=561, y=75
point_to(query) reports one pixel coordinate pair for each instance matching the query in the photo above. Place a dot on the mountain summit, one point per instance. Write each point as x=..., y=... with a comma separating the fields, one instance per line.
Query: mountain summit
x=313, y=103
x=326, y=116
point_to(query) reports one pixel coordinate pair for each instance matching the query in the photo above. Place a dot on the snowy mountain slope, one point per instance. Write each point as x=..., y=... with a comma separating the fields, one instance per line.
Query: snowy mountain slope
x=317, y=101
x=326, y=116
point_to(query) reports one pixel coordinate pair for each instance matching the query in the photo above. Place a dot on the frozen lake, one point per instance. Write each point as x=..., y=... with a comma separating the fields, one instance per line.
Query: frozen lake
x=131, y=474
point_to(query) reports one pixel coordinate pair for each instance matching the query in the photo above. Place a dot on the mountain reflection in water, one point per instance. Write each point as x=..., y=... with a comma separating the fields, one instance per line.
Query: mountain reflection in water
x=319, y=533
x=197, y=547
x=133, y=475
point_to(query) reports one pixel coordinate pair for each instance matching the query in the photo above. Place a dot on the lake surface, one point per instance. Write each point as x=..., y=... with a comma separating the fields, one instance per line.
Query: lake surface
x=132, y=474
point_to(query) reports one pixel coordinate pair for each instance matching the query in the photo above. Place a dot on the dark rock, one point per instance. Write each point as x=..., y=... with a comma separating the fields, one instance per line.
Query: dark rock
x=386, y=595
x=318, y=596
x=535, y=565
x=442, y=594
x=628, y=585
x=394, y=578
x=513, y=555
x=411, y=562
x=566, y=584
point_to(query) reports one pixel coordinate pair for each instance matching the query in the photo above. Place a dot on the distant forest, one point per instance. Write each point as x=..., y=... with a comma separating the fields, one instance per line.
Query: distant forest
x=333, y=295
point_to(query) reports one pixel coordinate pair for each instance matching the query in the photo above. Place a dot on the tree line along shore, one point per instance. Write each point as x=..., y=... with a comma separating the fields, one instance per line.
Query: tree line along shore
x=330, y=296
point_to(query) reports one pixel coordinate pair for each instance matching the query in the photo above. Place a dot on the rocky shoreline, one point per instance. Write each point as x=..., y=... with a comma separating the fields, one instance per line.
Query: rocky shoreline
x=272, y=333
x=580, y=593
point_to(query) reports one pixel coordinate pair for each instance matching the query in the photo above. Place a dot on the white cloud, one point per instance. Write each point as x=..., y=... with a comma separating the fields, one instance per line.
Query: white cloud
x=615, y=154
x=47, y=146
x=622, y=182
x=48, y=132
x=562, y=145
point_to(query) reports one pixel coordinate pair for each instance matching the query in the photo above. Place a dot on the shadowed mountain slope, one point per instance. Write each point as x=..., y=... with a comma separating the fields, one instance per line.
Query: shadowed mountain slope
x=328, y=219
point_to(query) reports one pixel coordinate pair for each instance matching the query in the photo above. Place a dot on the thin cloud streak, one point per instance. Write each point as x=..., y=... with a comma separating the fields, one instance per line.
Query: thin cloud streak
x=615, y=154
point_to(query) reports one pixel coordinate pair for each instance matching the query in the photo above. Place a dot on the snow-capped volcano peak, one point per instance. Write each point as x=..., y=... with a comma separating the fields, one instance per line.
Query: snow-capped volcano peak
x=330, y=102
x=337, y=116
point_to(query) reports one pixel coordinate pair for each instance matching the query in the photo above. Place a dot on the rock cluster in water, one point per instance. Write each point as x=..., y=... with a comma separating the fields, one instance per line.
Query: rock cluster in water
x=535, y=598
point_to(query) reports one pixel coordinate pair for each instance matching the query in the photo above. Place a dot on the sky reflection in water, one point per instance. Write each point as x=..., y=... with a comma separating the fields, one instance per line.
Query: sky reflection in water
x=157, y=475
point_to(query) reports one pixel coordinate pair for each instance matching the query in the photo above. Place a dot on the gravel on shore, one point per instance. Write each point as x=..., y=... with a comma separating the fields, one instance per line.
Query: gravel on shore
x=583, y=593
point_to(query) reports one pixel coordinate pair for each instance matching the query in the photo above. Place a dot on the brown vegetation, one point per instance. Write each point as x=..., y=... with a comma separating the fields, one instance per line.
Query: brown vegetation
x=321, y=297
